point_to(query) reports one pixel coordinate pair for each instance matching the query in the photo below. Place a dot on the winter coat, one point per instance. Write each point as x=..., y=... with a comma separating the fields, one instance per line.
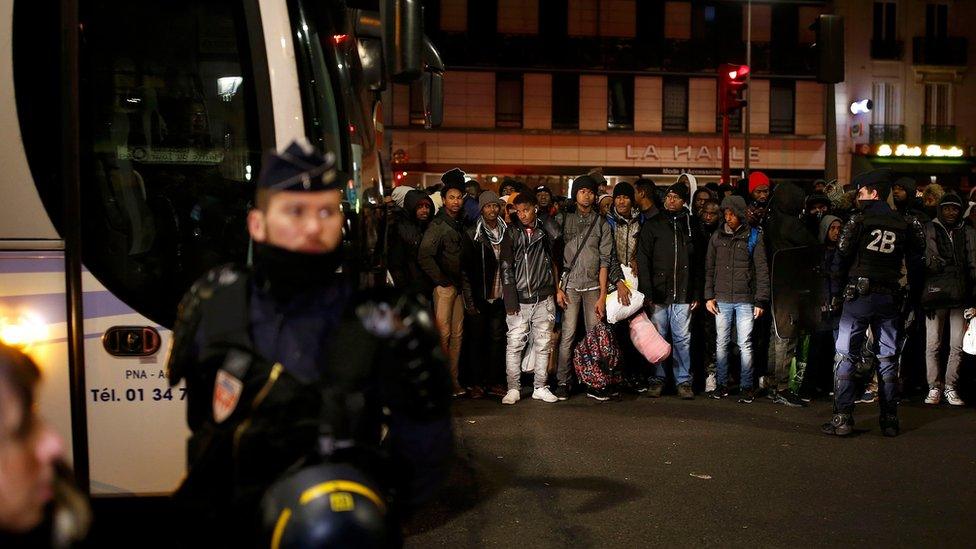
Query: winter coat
x=598, y=251
x=665, y=248
x=404, y=249
x=445, y=254
x=625, y=231
x=950, y=260
x=731, y=275
x=484, y=268
x=527, y=264
x=784, y=229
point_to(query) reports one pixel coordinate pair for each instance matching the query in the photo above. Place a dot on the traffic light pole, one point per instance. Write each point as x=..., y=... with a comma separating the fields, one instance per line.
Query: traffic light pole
x=747, y=122
x=726, y=152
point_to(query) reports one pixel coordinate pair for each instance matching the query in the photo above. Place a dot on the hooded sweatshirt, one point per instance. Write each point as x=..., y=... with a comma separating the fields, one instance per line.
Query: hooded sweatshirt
x=784, y=229
x=406, y=235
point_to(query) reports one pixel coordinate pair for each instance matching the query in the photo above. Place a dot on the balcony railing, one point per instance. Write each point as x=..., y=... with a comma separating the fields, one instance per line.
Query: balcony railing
x=948, y=51
x=886, y=49
x=939, y=135
x=887, y=133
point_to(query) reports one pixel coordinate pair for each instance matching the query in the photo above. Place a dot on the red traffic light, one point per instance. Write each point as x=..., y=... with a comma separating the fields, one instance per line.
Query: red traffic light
x=731, y=83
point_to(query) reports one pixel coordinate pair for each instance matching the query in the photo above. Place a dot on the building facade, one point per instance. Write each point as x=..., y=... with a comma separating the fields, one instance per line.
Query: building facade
x=548, y=89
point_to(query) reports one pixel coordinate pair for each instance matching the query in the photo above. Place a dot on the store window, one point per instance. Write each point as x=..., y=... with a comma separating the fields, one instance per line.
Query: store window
x=620, y=102
x=782, y=106
x=675, y=105
x=508, y=100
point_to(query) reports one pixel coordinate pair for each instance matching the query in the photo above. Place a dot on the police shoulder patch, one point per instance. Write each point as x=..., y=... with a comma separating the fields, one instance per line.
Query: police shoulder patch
x=226, y=395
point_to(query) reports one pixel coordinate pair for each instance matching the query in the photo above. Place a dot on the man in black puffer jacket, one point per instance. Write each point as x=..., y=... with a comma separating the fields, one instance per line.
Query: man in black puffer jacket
x=784, y=229
x=950, y=258
x=665, y=274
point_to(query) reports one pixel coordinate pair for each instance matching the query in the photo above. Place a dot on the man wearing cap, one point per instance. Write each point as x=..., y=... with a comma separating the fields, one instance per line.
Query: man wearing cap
x=484, y=352
x=445, y=253
x=547, y=209
x=950, y=258
x=666, y=276
x=874, y=245
x=589, y=266
x=285, y=363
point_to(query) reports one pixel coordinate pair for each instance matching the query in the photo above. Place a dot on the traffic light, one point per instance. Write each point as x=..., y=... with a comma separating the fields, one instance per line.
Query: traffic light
x=731, y=85
x=829, y=48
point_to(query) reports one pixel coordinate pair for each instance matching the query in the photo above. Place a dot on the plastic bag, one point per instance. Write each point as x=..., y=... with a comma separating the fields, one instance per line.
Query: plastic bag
x=969, y=339
x=615, y=310
x=647, y=340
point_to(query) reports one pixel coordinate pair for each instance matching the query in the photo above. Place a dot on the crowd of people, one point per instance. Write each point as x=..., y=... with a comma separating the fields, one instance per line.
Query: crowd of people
x=510, y=273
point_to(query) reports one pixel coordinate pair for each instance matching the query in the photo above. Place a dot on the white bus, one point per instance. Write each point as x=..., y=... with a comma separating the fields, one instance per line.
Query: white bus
x=177, y=102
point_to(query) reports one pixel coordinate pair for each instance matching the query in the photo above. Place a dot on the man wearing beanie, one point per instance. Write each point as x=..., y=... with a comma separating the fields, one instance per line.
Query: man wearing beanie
x=759, y=188
x=484, y=352
x=589, y=267
x=666, y=276
x=625, y=222
x=949, y=285
x=874, y=245
x=547, y=209
x=736, y=291
x=444, y=255
x=292, y=324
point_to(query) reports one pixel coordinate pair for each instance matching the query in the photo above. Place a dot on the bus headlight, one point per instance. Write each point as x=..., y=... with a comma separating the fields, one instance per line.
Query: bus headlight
x=23, y=331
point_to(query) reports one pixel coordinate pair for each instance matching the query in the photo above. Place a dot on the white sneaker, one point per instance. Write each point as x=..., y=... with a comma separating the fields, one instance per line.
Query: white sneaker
x=934, y=396
x=710, y=384
x=512, y=396
x=953, y=398
x=544, y=394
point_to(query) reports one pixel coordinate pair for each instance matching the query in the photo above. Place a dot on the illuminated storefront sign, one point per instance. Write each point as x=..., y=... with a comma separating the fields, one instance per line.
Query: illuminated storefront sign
x=931, y=151
x=653, y=152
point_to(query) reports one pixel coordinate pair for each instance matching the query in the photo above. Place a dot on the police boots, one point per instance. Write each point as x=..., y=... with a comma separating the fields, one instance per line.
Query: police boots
x=889, y=425
x=841, y=425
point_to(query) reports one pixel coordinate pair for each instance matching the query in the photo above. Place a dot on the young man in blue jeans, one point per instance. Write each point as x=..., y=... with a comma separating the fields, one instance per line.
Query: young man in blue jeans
x=736, y=290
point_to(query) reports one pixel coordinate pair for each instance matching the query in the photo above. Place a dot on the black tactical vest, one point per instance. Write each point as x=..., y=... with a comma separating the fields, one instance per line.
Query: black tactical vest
x=881, y=249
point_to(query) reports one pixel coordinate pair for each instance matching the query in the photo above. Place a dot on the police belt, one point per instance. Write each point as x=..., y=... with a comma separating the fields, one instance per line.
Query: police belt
x=874, y=286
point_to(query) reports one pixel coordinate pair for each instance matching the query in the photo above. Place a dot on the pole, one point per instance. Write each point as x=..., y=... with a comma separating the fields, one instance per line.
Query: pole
x=70, y=180
x=830, y=128
x=725, y=149
x=748, y=109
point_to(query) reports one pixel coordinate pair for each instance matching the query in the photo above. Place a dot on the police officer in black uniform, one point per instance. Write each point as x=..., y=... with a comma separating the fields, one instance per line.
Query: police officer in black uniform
x=286, y=365
x=873, y=245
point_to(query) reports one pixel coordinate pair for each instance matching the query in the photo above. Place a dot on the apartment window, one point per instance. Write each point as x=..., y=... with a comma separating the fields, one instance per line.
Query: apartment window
x=782, y=107
x=884, y=95
x=508, y=100
x=675, y=105
x=884, y=20
x=432, y=16
x=936, y=20
x=720, y=23
x=735, y=122
x=650, y=20
x=785, y=30
x=553, y=18
x=482, y=18
x=565, y=101
x=620, y=102
x=938, y=104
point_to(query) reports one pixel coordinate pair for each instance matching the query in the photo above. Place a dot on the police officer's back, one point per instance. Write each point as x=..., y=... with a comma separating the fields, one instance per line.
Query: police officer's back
x=286, y=365
x=874, y=244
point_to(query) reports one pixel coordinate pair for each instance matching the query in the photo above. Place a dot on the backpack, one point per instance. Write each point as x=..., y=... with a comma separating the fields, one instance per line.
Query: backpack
x=753, y=240
x=597, y=357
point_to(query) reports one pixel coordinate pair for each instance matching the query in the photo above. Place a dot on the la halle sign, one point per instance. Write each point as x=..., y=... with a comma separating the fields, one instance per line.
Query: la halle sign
x=689, y=153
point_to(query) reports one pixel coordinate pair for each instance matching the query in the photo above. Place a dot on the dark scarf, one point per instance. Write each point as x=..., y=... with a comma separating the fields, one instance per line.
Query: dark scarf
x=286, y=274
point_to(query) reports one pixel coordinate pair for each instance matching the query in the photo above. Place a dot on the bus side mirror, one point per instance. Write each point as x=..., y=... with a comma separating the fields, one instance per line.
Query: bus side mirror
x=403, y=38
x=433, y=85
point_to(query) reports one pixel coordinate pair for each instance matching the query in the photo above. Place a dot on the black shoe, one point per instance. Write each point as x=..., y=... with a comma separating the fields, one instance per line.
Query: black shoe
x=719, y=393
x=562, y=392
x=685, y=391
x=654, y=389
x=788, y=398
x=890, y=426
x=840, y=425
x=747, y=396
x=601, y=395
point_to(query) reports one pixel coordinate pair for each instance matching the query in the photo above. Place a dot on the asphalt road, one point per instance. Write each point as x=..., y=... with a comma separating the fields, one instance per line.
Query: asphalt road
x=642, y=472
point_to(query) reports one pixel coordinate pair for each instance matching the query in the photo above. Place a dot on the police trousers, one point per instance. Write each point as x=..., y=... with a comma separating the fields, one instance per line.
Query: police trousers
x=881, y=313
